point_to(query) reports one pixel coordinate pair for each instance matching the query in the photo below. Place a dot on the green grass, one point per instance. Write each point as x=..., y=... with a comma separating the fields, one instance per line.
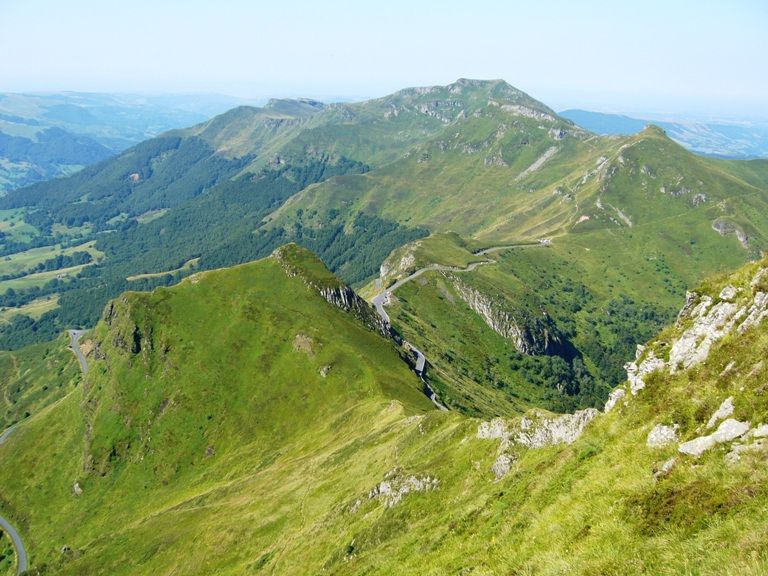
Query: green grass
x=186, y=267
x=33, y=309
x=40, y=278
x=188, y=465
x=7, y=556
x=34, y=377
x=21, y=261
x=13, y=225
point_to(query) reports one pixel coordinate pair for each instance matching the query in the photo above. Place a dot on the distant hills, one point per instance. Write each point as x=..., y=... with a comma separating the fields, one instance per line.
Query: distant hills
x=425, y=176
x=48, y=135
x=721, y=139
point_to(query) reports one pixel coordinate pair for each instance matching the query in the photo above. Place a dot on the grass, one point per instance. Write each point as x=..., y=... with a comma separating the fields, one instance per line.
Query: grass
x=21, y=261
x=193, y=467
x=186, y=267
x=150, y=215
x=13, y=225
x=33, y=309
x=34, y=377
x=40, y=278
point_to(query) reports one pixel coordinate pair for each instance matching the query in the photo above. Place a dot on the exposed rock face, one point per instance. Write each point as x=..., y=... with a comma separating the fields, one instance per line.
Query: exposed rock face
x=396, y=486
x=529, y=335
x=708, y=320
x=725, y=410
x=638, y=369
x=538, y=430
x=662, y=436
x=502, y=465
x=710, y=324
x=728, y=431
x=613, y=399
x=665, y=468
x=725, y=227
x=332, y=289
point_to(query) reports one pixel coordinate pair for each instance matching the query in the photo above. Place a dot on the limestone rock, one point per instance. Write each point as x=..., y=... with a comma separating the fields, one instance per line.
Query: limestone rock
x=728, y=431
x=662, y=435
x=396, y=486
x=697, y=446
x=710, y=324
x=530, y=335
x=725, y=410
x=502, y=465
x=761, y=431
x=564, y=429
x=665, y=468
x=537, y=430
x=613, y=399
x=738, y=449
x=636, y=372
x=756, y=313
x=496, y=429
x=728, y=293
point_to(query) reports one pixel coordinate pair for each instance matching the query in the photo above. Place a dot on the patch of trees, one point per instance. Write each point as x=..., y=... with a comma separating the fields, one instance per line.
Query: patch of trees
x=77, y=258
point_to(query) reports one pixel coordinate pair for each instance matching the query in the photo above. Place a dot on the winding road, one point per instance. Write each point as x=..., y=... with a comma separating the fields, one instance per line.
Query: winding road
x=74, y=337
x=382, y=298
x=22, y=564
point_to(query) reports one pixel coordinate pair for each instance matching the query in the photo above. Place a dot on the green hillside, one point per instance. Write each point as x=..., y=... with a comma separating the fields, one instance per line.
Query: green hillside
x=633, y=223
x=423, y=177
x=240, y=423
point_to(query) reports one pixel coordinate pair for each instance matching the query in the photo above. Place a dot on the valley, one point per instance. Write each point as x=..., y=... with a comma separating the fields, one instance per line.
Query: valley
x=433, y=175
x=372, y=337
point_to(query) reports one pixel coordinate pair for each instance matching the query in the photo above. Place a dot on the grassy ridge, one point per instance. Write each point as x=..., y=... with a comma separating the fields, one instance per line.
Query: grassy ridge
x=279, y=479
x=33, y=377
x=236, y=360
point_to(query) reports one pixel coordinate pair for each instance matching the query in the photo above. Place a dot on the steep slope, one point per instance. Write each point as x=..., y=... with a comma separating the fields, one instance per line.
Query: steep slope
x=34, y=377
x=630, y=223
x=193, y=468
x=195, y=387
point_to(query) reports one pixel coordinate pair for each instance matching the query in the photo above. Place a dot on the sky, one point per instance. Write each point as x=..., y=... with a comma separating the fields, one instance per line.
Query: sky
x=701, y=58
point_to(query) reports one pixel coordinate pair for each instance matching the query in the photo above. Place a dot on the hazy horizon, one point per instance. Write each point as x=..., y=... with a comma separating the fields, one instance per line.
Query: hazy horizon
x=691, y=60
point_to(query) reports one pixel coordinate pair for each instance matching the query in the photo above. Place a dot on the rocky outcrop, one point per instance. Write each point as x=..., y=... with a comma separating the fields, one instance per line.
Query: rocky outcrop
x=397, y=486
x=725, y=410
x=704, y=320
x=613, y=399
x=662, y=435
x=301, y=263
x=537, y=430
x=725, y=227
x=641, y=367
x=728, y=431
x=530, y=336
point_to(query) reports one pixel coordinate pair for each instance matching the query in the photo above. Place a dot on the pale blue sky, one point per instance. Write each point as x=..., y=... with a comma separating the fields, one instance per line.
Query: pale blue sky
x=674, y=56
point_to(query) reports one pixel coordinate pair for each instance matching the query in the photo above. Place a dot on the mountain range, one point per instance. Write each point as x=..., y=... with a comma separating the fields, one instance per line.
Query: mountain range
x=445, y=328
x=724, y=139
x=48, y=135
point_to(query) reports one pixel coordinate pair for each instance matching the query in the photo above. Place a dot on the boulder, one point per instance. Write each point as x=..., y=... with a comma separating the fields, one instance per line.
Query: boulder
x=725, y=410
x=662, y=435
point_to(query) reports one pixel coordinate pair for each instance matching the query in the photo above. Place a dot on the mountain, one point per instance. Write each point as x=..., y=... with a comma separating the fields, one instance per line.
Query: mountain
x=44, y=136
x=242, y=422
x=721, y=139
x=579, y=247
x=619, y=229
